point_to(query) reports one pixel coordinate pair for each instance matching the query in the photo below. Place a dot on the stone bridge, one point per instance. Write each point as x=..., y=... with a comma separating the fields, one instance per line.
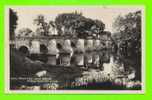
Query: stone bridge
x=51, y=45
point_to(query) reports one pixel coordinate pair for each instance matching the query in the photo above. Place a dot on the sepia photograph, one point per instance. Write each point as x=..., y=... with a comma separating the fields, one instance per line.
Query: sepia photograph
x=75, y=49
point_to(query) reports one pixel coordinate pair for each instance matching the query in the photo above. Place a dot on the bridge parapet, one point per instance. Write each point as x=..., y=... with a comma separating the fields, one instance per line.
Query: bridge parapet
x=57, y=37
x=34, y=44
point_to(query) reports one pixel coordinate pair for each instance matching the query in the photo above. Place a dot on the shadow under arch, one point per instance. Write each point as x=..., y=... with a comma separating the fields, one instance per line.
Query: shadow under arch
x=59, y=46
x=43, y=49
x=24, y=50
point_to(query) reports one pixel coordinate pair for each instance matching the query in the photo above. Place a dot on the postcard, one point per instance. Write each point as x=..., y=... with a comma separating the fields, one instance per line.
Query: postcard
x=75, y=49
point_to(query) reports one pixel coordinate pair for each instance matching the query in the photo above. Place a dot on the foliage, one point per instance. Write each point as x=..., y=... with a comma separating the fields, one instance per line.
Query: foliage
x=25, y=32
x=13, y=23
x=73, y=24
x=43, y=26
x=128, y=32
x=76, y=22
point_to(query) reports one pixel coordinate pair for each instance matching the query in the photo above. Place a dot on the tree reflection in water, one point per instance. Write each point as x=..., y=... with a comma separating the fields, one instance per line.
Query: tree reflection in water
x=100, y=69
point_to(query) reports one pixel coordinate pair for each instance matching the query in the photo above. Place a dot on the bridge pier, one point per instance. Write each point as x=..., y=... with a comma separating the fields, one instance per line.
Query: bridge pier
x=96, y=44
x=52, y=52
x=67, y=46
x=80, y=46
x=89, y=45
x=52, y=47
x=35, y=47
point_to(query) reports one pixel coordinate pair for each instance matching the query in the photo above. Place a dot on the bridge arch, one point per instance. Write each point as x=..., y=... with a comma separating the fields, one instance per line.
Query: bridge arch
x=24, y=49
x=59, y=46
x=43, y=49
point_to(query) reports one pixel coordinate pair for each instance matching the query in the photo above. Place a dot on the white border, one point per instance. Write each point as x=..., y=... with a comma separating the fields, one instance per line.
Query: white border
x=7, y=59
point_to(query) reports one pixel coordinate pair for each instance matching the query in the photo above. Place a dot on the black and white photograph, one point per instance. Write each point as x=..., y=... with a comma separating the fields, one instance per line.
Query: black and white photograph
x=75, y=49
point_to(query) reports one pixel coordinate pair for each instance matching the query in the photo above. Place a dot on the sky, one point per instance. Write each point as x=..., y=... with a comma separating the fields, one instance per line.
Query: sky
x=107, y=14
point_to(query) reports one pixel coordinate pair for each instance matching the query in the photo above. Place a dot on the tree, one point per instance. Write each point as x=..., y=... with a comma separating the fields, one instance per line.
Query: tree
x=128, y=36
x=25, y=32
x=98, y=27
x=128, y=31
x=73, y=24
x=77, y=23
x=43, y=26
x=12, y=23
x=67, y=21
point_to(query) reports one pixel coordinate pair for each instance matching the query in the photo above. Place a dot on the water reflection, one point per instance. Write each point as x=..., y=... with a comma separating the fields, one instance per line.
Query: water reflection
x=77, y=59
x=88, y=59
x=102, y=68
x=105, y=61
x=64, y=59
x=96, y=60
